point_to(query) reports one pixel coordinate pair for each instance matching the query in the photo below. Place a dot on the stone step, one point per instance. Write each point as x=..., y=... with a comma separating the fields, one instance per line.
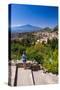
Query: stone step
x=13, y=71
x=42, y=78
x=24, y=77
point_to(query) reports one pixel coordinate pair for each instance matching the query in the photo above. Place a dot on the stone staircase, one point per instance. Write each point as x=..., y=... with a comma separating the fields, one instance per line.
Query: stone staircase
x=32, y=75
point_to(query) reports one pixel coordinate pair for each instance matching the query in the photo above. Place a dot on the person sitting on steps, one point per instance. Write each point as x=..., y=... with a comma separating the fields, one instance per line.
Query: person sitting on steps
x=24, y=59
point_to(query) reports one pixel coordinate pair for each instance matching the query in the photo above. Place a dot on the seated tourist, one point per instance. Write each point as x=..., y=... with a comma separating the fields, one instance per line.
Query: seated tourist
x=24, y=59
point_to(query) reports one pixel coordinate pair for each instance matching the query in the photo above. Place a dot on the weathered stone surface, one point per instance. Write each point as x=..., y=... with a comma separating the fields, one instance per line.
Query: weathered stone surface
x=24, y=77
x=44, y=78
x=13, y=71
x=20, y=76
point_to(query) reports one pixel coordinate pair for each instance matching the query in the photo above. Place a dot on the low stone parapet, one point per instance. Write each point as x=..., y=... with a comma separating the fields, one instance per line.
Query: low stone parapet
x=29, y=64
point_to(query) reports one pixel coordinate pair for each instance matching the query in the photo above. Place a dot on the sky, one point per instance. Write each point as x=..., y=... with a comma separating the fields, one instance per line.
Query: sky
x=41, y=16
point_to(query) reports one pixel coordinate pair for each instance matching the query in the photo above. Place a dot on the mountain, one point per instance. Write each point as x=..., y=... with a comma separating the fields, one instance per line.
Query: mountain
x=25, y=28
x=47, y=29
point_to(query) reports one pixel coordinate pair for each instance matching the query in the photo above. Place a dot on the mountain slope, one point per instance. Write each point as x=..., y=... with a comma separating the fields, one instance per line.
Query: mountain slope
x=25, y=28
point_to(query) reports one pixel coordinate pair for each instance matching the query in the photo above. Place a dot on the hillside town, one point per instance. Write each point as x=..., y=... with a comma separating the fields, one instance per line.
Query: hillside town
x=40, y=36
x=44, y=36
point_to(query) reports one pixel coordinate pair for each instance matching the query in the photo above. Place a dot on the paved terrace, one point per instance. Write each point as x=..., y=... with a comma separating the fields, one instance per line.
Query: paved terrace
x=34, y=74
